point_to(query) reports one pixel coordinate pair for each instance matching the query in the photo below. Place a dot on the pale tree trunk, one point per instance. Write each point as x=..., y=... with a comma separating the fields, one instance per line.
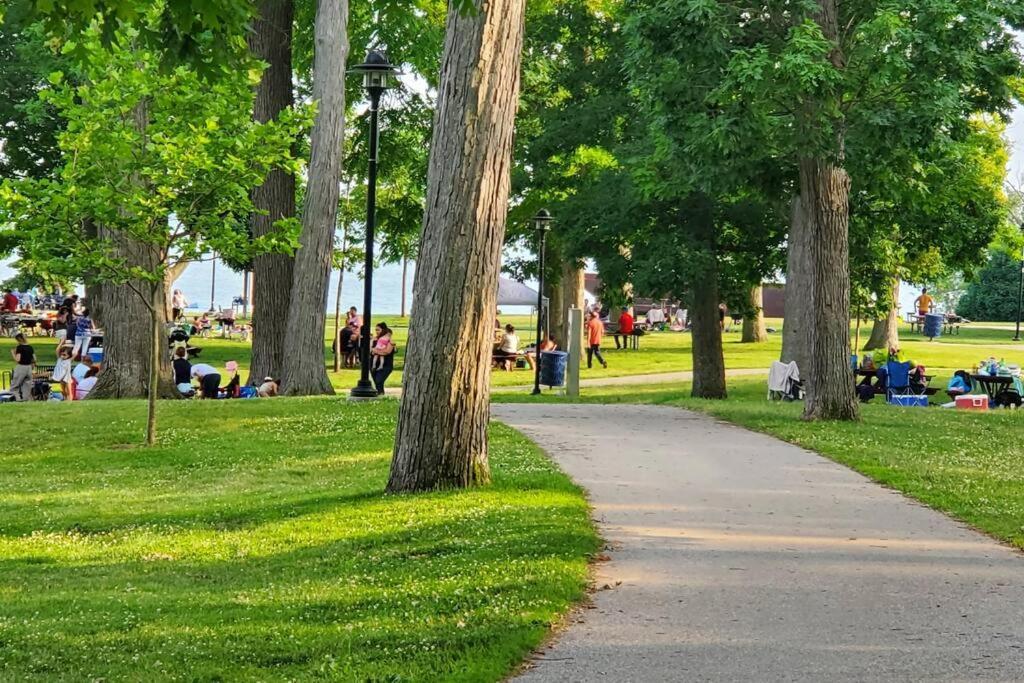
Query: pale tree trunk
x=405, y=275
x=337, y=304
x=825, y=187
x=885, y=332
x=573, y=287
x=797, y=315
x=556, y=309
x=304, y=372
x=271, y=41
x=443, y=418
x=754, y=330
x=708, y=358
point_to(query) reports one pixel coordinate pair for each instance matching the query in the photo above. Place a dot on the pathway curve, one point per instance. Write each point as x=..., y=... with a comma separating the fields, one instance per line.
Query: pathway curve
x=742, y=558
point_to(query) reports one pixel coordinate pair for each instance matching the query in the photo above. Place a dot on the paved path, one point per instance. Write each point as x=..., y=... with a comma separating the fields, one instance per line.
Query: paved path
x=742, y=558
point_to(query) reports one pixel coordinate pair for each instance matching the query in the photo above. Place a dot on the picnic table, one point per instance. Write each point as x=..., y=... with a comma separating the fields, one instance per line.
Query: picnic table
x=869, y=374
x=993, y=385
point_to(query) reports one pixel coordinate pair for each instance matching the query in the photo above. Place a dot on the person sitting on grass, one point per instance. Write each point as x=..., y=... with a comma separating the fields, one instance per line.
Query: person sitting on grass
x=62, y=372
x=83, y=387
x=182, y=371
x=268, y=388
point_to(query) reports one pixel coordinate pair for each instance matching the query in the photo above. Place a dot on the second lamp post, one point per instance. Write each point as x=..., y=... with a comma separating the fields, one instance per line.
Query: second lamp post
x=542, y=223
x=376, y=72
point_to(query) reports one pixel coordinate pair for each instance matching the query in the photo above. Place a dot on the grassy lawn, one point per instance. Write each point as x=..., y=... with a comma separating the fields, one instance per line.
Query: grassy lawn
x=255, y=543
x=969, y=465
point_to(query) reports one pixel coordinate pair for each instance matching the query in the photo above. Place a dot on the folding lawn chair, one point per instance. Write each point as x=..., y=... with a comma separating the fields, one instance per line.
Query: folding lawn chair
x=898, y=389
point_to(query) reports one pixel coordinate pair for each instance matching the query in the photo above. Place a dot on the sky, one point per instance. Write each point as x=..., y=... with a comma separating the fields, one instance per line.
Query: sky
x=1015, y=133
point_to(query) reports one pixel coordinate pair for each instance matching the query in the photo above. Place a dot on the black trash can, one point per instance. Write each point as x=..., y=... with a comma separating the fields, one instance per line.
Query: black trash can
x=552, y=367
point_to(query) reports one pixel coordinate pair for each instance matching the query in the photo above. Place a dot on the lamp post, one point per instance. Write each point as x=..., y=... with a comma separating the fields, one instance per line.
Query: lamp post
x=542, y=223
x=376, y=72
x=1020, y=292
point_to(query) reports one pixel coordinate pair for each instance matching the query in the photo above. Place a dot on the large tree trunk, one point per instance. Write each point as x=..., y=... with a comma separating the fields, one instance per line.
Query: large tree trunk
x=708, y=359
x=556, y=308
x=754, y=330
x=443, y=419
x=304, y=372
x=885, y=332
x=573, y=280
x=797, y=315
x=271, y=41
x=825, y=188
x=830, y=393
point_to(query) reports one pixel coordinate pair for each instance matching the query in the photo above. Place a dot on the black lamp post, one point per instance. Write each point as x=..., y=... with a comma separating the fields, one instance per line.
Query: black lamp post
x=1020, y=293
x=376, y=71
x=542, y=223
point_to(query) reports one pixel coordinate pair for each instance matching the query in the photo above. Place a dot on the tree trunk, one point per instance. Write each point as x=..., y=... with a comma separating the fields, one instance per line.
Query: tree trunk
x=754, y=331
x=885, y=332
x=271, y=41
x=573, y=279
x=337, y=304
x=708, y=359
x=304, y=372
x=156, y=328
x=830, y=393
x=405, y=275
x=797, y=315
x=443, y=418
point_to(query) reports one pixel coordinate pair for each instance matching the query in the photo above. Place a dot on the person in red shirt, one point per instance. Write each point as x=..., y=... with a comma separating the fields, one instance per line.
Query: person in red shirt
x=595, y=330
x=625, y=328
x=11, y=302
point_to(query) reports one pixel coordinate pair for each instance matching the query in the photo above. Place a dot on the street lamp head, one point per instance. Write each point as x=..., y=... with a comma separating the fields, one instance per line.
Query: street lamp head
x=376, y=71
x=542, y=221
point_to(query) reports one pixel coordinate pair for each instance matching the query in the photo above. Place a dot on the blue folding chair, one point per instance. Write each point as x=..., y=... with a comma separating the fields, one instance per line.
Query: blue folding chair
x=897, y=388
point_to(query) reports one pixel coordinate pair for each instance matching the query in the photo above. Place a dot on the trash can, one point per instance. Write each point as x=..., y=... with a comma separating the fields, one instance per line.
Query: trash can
x=933, y=325
x=552, y=367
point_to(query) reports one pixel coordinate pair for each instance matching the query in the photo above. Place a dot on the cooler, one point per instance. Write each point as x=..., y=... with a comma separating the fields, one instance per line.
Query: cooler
x=971, y=402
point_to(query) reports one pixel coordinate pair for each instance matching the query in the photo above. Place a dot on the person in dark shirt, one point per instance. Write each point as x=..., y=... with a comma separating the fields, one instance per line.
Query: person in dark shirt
x=21, y=377
x=182, y=371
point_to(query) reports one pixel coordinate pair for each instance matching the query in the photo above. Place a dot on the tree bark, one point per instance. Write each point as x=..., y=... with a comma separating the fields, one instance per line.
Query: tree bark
x=830, y=393
x=304, y=372
x=573, y=281
x=271, y=41
x=556, y=307
x=445, y=409
x=797, y=315
x=754, y=330
x=885, y=332
x=708, y=358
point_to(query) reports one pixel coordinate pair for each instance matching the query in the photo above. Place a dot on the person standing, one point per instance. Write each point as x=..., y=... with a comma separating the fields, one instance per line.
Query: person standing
x=24, y=362
x=83, y=333
x=62, y=372
x=10, y=302
x=924, y=303
x=383, y=352
x=625, y=328
x=178, y=304
x=595, y=330
x=209, y=379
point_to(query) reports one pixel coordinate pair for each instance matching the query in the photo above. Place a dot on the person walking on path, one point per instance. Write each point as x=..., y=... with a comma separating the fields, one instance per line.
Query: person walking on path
x=595, y=330
x=24, y=363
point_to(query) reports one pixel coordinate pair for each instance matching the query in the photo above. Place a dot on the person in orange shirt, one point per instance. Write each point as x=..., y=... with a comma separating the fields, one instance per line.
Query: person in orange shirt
x=625, y=328
x=595, y=330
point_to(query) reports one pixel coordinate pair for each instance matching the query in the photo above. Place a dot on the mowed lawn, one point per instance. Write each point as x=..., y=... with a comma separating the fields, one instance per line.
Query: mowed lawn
x=659, y=352
x=255, y=543
x=969, y=465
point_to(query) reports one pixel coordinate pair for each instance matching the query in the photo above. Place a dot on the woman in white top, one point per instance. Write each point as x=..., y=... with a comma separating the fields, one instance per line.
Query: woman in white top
x=509, y=347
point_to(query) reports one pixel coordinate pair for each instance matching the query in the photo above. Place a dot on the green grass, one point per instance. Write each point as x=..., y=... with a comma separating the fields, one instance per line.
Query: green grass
x=255, y=543
x=969, y=465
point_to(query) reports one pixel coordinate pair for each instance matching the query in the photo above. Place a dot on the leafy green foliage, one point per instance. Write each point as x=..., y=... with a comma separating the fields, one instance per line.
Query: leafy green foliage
x=224, y=554
x=158, y=157
x=992, y=294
